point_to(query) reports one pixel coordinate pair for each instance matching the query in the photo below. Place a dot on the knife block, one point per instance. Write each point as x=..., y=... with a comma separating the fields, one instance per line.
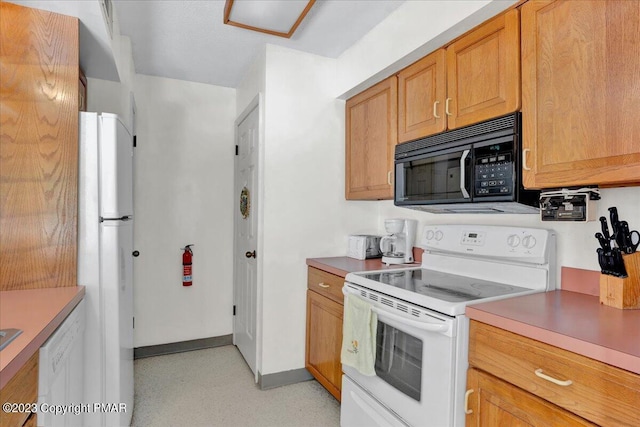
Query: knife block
x=622, y=293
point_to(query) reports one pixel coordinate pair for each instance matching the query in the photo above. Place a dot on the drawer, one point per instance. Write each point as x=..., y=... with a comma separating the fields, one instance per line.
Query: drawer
x=598, y=392
x=22, y=388
x=326, y=284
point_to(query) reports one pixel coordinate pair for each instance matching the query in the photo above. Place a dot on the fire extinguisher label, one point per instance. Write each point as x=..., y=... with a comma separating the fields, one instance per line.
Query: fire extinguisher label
x=187, y=279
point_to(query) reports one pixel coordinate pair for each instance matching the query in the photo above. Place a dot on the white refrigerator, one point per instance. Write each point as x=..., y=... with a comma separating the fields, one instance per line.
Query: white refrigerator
x=105, y=266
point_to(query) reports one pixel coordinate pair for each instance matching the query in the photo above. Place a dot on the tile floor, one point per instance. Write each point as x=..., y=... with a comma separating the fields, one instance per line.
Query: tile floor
x=215, y=387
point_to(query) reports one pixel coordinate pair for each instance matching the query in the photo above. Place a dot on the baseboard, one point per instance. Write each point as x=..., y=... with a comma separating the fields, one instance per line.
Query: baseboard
x=278, y=379
x=179, y=347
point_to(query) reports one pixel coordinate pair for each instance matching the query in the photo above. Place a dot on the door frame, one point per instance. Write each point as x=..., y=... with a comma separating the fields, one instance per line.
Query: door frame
x=256, y=102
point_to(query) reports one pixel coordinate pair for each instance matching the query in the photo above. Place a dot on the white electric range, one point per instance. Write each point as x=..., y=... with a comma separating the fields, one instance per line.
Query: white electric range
x=422, y=333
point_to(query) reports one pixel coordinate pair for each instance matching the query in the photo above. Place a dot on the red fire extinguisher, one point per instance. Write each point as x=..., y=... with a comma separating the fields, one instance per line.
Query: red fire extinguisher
x=187, y=255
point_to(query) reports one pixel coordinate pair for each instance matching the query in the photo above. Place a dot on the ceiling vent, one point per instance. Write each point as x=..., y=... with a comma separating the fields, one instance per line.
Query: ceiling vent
x=107, y=13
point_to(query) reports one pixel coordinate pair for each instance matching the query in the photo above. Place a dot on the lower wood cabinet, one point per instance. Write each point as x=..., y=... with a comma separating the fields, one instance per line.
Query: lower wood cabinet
x=515, y=380
x=22, y=388
x=324, y=329
x=493, y=402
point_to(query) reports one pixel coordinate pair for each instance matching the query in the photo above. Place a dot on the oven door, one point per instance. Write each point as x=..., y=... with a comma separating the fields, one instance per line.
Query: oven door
x=414, y=365
x=439, y=176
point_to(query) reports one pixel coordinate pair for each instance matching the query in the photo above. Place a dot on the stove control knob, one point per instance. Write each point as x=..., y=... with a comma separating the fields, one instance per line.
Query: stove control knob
x=429, y=235
x=528, y=241
x=439, y=235
x=513, y=240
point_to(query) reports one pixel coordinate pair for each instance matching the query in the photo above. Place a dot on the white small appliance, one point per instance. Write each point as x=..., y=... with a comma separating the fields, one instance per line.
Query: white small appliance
x=105, y=265
x=397, y=247
x=363, y=246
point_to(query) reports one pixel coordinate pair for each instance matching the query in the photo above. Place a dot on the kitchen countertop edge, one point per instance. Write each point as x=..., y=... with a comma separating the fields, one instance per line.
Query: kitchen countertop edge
x=342, y=265
x=601, y=353
x=32, y=346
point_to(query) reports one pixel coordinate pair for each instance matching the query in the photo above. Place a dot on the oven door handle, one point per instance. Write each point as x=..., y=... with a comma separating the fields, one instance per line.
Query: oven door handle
x=463, y=187
x=429, y=327
x=423, y=326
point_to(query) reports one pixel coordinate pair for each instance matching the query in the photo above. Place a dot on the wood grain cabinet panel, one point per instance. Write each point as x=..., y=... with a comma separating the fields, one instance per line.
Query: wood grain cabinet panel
x=476, y=78
x=581, y=92
x=421, y=97
x=324, y=341
x=483, y=72
x=494, y=402
x=324, y=329
x=595, y=391
x=38, y=148
x=22, y=388
x=371, y=137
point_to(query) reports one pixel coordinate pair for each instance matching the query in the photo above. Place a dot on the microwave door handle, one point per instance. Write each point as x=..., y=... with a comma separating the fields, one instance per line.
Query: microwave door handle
x=463, y=188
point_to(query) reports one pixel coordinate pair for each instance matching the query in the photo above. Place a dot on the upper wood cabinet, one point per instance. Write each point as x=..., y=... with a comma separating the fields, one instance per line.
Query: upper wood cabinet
x=476, y=78
x=581, y=93
x=38, y=148
x=422, y=91
x=371, y=136
x=483, y=72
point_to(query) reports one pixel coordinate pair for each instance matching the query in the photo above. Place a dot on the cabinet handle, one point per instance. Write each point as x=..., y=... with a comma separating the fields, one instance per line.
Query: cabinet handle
x=446, y=107
x=389, y=178
x=466, y=402
x=435, y=111
x=524, y=159
x=565, y=383
x=322, y=285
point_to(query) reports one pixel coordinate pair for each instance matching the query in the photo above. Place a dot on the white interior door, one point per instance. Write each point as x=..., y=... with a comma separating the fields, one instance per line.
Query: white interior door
x=246, y=230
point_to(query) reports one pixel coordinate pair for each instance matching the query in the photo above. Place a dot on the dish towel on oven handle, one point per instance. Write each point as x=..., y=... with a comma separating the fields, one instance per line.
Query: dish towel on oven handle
x=359, y=335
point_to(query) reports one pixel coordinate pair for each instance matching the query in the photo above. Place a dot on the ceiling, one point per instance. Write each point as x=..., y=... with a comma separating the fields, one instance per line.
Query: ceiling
x=187, y=40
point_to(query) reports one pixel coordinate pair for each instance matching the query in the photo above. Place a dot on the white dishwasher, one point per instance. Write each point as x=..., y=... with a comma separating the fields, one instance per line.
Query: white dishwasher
x=61, y=373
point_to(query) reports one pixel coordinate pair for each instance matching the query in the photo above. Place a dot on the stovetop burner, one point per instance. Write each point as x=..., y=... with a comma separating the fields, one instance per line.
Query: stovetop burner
x=443, y=286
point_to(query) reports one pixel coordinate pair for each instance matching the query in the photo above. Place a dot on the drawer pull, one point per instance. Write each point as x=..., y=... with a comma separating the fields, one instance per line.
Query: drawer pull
x=466, y=402
x=565, y=383
x=322, y=285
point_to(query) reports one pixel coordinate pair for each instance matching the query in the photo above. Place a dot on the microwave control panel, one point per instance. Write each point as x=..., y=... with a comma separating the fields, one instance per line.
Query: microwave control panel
x=494, y=174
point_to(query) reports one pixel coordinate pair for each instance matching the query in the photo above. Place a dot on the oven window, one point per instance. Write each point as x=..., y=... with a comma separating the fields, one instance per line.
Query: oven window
x=399, y=360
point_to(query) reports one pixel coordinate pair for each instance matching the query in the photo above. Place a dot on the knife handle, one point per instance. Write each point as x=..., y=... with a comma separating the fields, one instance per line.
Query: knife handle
x=605, y=228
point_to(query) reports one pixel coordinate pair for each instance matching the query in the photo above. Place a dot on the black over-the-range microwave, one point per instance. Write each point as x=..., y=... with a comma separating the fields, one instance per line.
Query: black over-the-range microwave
x=474, y=169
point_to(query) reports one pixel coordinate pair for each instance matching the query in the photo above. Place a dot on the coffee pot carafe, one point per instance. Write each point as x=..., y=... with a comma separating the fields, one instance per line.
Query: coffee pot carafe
x=397, y=247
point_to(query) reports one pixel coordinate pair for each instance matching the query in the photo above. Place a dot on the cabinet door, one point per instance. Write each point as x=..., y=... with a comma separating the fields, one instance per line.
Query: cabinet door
x=494, y=402
x=324, y=341
x=483, y=72
x=22, y=388
x=421, y=96
x=371, y=137
x=581, y=92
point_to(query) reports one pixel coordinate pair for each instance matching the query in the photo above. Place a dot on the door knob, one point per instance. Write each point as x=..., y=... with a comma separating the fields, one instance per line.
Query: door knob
x=250, y=254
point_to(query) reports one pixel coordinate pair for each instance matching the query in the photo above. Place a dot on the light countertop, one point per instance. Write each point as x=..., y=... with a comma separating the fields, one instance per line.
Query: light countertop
x=37, y=312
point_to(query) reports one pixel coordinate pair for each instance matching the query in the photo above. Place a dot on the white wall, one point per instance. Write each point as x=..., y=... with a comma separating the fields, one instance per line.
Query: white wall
x=576, y=242
x=304, y=211
x=413, y=30
x=183, y=195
